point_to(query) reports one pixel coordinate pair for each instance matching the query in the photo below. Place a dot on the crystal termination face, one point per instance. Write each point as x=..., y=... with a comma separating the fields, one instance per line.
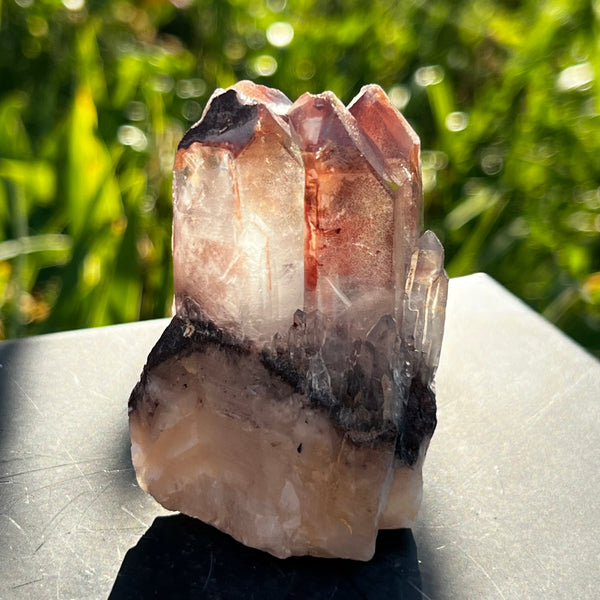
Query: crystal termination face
x=290, y=401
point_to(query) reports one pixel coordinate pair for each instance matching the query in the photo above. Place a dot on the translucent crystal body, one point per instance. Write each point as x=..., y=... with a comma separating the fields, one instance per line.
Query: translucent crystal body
x=245, y=232
x=290, y=401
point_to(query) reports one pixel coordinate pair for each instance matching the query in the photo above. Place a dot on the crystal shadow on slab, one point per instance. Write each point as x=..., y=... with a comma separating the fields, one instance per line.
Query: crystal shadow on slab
x=180, y=557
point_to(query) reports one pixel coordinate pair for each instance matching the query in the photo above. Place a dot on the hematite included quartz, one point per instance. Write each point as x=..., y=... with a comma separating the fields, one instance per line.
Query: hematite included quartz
x=289, y=402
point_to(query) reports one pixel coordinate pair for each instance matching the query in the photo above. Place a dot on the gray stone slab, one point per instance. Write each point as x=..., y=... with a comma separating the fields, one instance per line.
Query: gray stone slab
x=511, y=498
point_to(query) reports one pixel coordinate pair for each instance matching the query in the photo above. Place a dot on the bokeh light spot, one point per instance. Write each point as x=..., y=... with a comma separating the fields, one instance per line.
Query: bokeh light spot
x=305, y=70
x=399, y=96
x=280, y=34
x=162, y=84
x=491, y=161
x=434, y=159
x=73, y=4
x=136, y=111
x=190, y=88
x=276, y=5
x=429, y=180
x=191, y=110
x=234, y=49
x=577, y=77
x=132, y=136
x=457, y=121
x=38, y=26
x=265, y=65
x=430, y=75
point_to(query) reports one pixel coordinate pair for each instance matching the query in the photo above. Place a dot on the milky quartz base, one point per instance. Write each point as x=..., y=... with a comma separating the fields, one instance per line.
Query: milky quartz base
x=218, y=437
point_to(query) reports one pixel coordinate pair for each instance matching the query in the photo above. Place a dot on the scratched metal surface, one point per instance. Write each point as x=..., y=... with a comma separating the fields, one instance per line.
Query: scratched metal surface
x=511, y=498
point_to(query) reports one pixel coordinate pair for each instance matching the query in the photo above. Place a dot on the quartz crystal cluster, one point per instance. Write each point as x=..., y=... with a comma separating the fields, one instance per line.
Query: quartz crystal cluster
x=290, y=402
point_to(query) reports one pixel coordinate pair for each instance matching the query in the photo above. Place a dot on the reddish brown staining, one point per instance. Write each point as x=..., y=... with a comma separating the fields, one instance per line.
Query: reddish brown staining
x=268, y=126
x=187, y=158
x=318, y=121
x=354, y=256
x=344, y=226
x=183, y=157
x=347, y=250
x=311, y=230
x=415, y=160
x=237, y=210
x=311, y=272
x=385, y=125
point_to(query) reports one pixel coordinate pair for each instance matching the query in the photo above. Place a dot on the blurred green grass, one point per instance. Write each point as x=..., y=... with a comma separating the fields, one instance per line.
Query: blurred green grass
x=94, y=97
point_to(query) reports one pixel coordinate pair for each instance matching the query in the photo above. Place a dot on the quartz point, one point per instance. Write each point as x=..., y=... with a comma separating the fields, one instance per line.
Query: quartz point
x=290, y=401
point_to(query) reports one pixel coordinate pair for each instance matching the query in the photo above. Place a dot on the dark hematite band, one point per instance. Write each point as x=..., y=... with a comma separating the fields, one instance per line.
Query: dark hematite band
x=417, y=423
x=225, y=113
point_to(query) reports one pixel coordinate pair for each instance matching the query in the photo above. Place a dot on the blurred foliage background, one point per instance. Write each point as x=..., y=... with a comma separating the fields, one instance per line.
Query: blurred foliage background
x=95, y=95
